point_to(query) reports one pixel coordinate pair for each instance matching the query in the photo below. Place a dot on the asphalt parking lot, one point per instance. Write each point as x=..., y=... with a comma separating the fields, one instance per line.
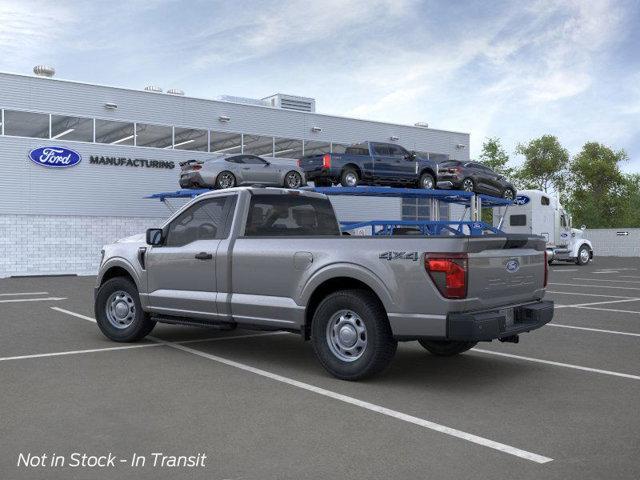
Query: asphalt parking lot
x=563, y=403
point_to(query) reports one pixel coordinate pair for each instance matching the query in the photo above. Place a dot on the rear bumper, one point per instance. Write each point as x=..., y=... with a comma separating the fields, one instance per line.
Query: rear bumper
x=449, y=184
x=191, y=179
x=319, y=173
x=485, y=326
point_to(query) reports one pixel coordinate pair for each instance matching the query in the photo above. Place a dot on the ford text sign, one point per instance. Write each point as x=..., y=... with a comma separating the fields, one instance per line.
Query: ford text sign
x=56, y=157
x=521, y=200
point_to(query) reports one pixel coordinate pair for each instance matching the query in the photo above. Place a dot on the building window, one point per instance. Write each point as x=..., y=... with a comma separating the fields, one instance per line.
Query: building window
x=190, y=139
x=72, y=128
x=26, y=124
x=258, y=145
x=157, y=136
x=114, y=133
x=287, y=148
x=419, y=209
x=316, y=148
x=224, y=142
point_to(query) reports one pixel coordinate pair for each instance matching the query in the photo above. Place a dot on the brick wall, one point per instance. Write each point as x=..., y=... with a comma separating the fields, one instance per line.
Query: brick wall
x=608, y=242
x=52, y=245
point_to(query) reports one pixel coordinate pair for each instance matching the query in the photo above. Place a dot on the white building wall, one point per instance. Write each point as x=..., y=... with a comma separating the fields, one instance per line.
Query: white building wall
x=612, y=242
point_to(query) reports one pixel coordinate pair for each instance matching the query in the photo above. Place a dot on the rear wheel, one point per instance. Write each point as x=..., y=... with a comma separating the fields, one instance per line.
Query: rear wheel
x=118, y=311
x=349, y=178
x=427, y=181
x=508, y=194
x=292, y=180
x=468, y=185
x=226, y=180
x=351, y=335
x=446, y=348
x=584, y=255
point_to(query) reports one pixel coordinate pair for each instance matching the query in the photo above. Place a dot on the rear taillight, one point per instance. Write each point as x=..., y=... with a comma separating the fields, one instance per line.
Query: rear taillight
x=299, y=162
x=448, y=272
x=326, y=161
x=196, y=167
x=546, y=269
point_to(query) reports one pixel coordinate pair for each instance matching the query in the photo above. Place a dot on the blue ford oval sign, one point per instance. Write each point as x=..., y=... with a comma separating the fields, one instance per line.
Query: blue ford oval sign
x=513, y=266
x=56, y=157
x=521, y=200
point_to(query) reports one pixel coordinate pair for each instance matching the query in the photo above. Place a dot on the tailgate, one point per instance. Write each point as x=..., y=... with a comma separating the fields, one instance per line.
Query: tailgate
x=506, y=270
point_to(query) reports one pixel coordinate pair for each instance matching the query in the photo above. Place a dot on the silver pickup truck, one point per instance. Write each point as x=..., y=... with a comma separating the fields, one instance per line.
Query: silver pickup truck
x=275, y=259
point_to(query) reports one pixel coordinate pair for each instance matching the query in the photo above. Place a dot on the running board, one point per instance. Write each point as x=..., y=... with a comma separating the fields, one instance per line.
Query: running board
x=194, y=322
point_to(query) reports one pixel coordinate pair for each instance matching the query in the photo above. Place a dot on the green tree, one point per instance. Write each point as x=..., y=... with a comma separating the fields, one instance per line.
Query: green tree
x=495, y=157
x=545, y=164
x=599, y=192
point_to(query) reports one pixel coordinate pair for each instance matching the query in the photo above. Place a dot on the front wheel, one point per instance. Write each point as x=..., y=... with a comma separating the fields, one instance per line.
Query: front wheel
x=118, y=311
x=584, y=255
x=468, y=185
x=225, y=180
x=427, y=181
x=351, y=335
x=446, y=348
x=349, y=178
x=293, y=180
x=508, y=194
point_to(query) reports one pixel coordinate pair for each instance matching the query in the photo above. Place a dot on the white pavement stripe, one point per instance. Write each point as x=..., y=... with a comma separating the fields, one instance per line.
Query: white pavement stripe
x=587, y=294
x=78, y=352
x=79, y=315
x=559, y=364
x=369, y=406
x=599, y=330
x=23, y=293
x=598, y=303
x=628, y=276
x=561, y=270
x=16, y=300
x=604, y=280
x=595, y=286
x=610, y=310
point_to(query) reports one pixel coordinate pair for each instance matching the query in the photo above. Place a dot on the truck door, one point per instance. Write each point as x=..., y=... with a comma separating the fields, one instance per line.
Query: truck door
x=181, y=273
x=402, y=164
x=564, y=229
x=382, y=161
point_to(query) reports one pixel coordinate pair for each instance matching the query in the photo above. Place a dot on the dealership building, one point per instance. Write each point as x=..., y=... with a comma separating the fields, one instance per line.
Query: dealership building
x=129, y=144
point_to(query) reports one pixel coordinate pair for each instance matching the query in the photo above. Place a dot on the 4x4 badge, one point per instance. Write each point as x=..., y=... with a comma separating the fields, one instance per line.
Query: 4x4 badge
x=400, y=256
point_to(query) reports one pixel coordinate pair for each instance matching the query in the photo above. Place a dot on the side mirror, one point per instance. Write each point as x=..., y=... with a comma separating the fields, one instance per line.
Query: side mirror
x=583, y=227
x=154, y=237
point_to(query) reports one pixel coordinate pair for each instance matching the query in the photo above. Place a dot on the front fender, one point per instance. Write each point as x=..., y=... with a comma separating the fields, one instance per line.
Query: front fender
x=120, y=262
x=578, y=244
x=348, y=270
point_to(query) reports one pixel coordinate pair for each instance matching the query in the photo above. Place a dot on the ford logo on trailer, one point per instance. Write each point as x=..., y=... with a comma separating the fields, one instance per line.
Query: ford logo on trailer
x=521, y=200
x=55, y=157
x=513, y=266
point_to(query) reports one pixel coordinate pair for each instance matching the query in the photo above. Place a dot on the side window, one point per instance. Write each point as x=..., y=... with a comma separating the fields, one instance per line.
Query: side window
x=517, y=220
x=206, y=220
x=236, y=159
x=544, y=200
x=396, y=151
x=290, y=215
x=563, y=221
x=381, y=149
x=253, y=160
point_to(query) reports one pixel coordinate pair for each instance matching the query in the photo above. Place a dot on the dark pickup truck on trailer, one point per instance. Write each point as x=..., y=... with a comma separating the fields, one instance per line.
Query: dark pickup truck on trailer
x=275, y=259
x=371, y=163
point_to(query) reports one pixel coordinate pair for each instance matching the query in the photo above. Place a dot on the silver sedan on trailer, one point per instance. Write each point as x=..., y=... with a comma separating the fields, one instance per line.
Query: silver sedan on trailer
x=227, y=171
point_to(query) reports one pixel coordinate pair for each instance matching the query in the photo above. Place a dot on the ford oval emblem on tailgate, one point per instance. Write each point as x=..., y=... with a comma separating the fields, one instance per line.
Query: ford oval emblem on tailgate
x=513, y=266
x=56, y=157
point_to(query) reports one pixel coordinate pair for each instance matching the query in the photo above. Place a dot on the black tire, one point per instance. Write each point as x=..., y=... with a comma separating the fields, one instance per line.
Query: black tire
x=468, y=185
x=347, y=174
x=581, y=255
x=446, y=348
x=427, y=178
x=140, y=326
x=294, y=182
x=509, y=193
x=221, y=180
x=380, y=345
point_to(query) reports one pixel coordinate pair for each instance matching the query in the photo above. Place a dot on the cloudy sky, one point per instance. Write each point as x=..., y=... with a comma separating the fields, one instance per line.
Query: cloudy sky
x=515, y=70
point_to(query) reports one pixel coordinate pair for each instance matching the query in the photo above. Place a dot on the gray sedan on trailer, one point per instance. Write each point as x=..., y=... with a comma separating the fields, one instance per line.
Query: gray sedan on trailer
x=226, y=171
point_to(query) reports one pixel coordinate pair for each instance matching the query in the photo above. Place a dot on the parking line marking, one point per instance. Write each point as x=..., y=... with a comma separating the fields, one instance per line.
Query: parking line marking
x=77, y=352
x=559, y=364
x=628, y=276
x=604, y=280
x=15, y=300
x=23, y=293
x=595, y=286
x=599, y=330
x=588, y=294
x=367, y=405
x=562, y=270
x=610, y=310
x=598, y=303
x=74, y=314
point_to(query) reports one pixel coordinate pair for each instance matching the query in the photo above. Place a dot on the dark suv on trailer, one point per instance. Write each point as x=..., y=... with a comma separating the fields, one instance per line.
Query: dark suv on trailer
x=474, y=177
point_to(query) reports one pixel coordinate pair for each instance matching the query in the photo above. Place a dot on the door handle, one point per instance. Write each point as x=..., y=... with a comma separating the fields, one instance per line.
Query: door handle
x=204, y=256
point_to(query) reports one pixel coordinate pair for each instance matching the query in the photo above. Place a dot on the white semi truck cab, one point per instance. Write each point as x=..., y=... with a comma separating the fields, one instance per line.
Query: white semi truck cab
x=536, y=212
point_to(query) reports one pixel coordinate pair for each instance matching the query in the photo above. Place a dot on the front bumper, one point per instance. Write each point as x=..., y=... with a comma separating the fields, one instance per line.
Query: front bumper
x=486, y=326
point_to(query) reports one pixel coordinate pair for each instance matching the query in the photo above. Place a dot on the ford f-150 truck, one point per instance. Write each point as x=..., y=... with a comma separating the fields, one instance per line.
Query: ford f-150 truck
x=275, y=259
x=371, y=163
